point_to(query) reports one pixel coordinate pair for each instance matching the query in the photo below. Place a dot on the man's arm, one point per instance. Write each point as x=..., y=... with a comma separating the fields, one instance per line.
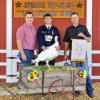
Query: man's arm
x=66, y=41
x=40, y=38
x=57, y=38
x=65, y=50
x=85, y=37
x=19, y=45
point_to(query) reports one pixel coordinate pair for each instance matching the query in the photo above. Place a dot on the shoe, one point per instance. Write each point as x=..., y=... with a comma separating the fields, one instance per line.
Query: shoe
x=77, y=93
x=91, y=96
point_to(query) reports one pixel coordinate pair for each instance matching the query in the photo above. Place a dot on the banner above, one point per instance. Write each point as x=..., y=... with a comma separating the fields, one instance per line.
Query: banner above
x=58, y=8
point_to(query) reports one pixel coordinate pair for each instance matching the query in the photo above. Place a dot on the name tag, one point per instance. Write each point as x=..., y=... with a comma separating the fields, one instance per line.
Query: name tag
x=48, y=37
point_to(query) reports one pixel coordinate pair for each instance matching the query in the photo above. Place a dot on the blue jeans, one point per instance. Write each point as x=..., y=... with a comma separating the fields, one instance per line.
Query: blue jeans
x=29, y=54
x=84, y=65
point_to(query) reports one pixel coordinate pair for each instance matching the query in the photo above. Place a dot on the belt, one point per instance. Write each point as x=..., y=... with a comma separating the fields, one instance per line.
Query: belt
x=29, y=50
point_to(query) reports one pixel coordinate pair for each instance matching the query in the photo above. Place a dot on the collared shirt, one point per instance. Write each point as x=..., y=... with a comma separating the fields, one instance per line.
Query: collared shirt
x=27, y=34
x=72, y=33
x=48, y=26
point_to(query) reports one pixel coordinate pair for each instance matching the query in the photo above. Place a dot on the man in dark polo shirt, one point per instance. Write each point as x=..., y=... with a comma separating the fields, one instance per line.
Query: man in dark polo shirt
x=78, y=31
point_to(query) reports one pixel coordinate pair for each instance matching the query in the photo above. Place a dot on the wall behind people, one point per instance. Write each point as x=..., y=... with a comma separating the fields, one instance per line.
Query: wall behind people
x=2, y=38
x=61, y=23
x=96, y=40
x=2, y=24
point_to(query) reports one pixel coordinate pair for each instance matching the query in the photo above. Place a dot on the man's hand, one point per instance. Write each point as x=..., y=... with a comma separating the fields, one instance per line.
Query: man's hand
x=65, y=57
x=81, y=35
x=57, y=48
x=23, y=56
x=85, y=37
x=44, y=48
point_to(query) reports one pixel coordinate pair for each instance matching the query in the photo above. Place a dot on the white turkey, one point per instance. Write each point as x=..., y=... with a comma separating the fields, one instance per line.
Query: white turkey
x=47, y=55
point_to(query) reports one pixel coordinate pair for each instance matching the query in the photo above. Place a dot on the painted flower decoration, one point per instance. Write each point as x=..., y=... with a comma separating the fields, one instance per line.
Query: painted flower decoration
x=82, y=73
x=36, y=73
x=28, y=70
x=33, y=75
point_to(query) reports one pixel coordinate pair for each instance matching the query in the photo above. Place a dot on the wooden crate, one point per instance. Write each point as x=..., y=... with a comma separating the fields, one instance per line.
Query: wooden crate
x=66, y=79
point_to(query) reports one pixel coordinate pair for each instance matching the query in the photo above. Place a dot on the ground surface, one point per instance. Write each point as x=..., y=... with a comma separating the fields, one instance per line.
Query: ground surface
x=67, y=96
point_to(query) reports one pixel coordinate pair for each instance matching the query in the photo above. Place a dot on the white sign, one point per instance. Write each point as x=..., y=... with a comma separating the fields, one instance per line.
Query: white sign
x=78, y=50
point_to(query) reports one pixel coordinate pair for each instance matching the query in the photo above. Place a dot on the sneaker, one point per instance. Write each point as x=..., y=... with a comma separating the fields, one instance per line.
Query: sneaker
x=77, y=93
x=91, y=96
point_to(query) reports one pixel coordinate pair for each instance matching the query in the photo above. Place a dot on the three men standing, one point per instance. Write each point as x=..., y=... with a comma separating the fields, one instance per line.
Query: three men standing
x=47, y=35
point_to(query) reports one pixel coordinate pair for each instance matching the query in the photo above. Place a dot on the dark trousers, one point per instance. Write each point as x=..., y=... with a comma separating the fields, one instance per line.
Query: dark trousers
x=84, y=65
x=52, y=62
